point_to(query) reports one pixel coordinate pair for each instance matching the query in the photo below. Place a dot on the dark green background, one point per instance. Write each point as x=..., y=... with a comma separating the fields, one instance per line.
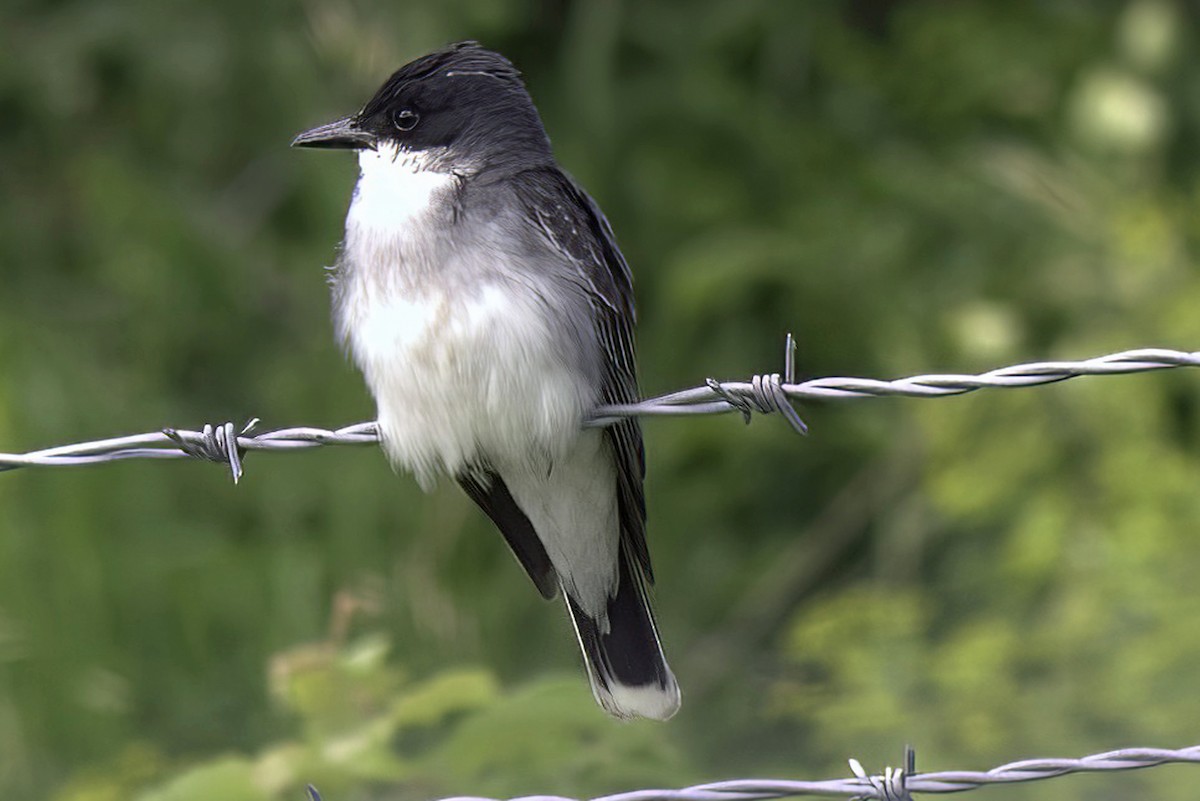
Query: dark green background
x=908, y=186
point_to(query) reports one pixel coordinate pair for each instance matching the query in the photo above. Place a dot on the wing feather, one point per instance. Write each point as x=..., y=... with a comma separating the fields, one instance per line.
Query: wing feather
x=488, y=490
x=573, y=225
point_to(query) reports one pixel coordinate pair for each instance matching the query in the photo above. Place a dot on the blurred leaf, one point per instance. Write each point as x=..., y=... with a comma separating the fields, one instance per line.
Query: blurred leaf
x=229, y=779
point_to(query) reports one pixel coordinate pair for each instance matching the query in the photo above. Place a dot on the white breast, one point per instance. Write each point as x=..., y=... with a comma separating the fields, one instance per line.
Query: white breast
x=458, y=371
x=394, y=188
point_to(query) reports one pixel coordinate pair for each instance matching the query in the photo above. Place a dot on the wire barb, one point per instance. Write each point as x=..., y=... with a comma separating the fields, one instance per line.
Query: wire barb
x=761, y=394
x=764, y=395
x=891, y=786
x=789, y=360
x=217, y=444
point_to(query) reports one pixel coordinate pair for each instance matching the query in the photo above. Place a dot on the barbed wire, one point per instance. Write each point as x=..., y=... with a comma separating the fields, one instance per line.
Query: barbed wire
x=762, y=394
x=894, y=784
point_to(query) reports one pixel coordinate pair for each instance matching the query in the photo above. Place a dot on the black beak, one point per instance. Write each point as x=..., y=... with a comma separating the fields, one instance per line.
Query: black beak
x=344, y=133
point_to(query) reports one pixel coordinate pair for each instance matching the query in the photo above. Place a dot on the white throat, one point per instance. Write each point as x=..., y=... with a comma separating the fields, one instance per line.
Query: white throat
x=396, y=188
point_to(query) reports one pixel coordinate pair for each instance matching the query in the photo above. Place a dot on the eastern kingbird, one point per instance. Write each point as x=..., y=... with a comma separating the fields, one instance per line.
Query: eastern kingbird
x=482, y=295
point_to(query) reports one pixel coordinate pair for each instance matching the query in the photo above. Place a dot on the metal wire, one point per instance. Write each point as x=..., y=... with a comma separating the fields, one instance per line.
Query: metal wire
x=762, y=394
x=718, y=397
x=894, y=784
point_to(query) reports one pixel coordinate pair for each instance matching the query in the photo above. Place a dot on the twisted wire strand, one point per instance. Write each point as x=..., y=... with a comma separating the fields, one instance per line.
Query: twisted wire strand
x=897, y=784
x=762, y=394
x=715, y=397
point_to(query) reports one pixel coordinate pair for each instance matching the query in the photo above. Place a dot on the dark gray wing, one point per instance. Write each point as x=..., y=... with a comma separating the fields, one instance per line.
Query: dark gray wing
x=489, y=491
x=572, y=224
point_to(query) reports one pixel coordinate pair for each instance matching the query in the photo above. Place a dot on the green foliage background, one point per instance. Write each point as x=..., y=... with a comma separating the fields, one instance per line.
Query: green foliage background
x=908, y=186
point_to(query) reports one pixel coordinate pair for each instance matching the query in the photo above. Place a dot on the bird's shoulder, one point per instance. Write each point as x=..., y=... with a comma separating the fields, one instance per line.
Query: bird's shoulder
x=560, y=217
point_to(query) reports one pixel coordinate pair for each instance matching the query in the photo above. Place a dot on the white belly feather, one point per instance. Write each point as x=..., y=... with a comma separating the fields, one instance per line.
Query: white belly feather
x=455, y=374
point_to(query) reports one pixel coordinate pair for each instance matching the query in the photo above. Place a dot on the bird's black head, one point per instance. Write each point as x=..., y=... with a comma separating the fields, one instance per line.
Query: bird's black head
x=463, y=103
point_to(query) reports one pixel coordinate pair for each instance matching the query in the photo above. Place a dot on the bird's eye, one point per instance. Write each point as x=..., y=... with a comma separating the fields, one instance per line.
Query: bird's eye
x=405, y=119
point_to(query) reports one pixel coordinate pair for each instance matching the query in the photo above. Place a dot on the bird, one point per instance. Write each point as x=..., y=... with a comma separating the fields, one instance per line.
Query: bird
x=481, y=293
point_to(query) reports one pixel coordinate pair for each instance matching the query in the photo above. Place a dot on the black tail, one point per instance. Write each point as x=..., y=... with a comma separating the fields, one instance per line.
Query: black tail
x=624, y=659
